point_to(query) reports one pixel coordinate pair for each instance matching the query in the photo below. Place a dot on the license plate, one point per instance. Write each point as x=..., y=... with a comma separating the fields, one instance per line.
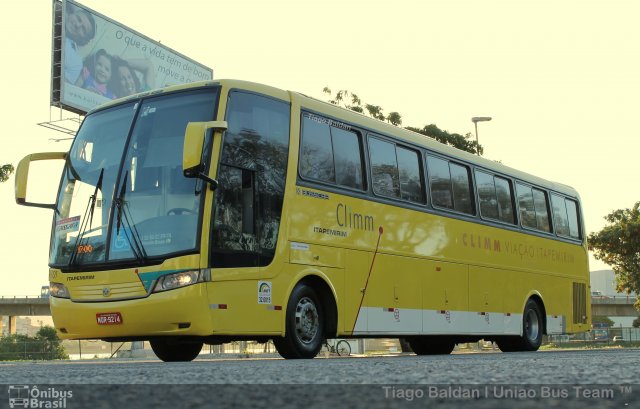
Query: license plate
x=109, y=318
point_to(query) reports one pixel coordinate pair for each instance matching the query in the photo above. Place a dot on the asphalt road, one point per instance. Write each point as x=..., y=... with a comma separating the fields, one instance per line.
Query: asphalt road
x=566, y=379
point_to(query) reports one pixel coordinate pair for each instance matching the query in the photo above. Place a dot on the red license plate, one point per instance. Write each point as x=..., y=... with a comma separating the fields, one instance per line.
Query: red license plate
x=109, y=318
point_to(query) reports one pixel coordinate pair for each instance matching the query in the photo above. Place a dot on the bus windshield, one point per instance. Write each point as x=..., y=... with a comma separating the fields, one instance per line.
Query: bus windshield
x=123, y=196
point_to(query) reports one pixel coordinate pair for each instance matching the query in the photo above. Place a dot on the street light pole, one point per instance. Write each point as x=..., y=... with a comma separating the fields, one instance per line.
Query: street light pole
x=475, y=121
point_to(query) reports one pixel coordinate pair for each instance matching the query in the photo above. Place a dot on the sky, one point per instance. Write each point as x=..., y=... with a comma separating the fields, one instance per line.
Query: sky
x=560, y=79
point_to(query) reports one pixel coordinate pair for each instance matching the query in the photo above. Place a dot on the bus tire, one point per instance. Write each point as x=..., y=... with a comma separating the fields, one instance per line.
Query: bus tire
x=532, y=326
x=304, y=326
x=175, y=351
x=431, y=345
x=532, y=331
x=508, y=344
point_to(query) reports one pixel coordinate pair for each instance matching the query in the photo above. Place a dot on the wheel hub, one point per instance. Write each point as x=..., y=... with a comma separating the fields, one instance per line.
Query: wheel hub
x=307, y=322
x=532, y=325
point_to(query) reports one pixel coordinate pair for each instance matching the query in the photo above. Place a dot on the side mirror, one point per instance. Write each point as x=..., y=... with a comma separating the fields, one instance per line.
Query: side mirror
x=22, y=176
x=192, y=165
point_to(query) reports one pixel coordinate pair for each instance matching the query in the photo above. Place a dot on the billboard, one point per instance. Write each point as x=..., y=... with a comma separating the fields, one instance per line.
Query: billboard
x=96, y=59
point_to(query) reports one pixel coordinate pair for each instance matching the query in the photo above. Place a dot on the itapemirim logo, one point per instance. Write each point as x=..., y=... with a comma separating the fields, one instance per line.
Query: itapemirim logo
x=24, y=396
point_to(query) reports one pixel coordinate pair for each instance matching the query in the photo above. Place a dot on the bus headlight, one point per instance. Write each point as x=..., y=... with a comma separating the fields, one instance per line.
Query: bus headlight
x=181, y=279
x=58, y=290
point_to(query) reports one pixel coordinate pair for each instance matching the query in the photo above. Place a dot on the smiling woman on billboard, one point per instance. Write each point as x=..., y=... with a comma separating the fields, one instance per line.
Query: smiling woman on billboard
x=80, y=28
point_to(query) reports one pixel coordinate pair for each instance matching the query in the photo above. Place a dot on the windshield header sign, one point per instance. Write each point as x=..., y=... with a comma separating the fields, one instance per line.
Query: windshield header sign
x=96, y=59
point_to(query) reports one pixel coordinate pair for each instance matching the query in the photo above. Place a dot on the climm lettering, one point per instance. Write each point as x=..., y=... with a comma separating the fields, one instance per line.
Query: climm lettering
x=346, y=217
x=481, y=242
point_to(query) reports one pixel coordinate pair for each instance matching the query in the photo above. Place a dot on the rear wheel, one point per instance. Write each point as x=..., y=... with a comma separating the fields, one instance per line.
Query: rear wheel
x=304, y=330
x=170, y=350
x=431, y=345
x=532, y=331
x=533, y=326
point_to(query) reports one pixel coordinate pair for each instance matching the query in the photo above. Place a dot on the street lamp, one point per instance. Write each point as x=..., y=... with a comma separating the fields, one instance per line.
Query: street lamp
x=475, y=121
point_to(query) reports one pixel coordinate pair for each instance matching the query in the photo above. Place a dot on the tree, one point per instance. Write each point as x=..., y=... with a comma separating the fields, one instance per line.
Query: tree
x=618, y=245
x=50, y=343
x=45, y=345
x=355, y=104
x=636, y=323
x=465, y=143
x=5, y=171
x=351, y=101
x=608, y=322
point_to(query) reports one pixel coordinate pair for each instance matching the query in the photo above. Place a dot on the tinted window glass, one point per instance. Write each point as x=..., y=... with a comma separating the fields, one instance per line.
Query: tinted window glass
x=384, y=168
x=461, y=187
x=572, y=215
x=440, y=182
x=560, y=215
x=525, y=203
x=348, y=161
x=410, y=180
x=249, y=198
x=487, y=195
x=505, y=200
x=542, y=215
x=316, y=156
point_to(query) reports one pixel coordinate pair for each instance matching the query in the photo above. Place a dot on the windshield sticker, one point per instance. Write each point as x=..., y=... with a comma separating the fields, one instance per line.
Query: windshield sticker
x=84, y=249
x=68, y=225
x=264, y=292
x=156, y=239
x=120, y=242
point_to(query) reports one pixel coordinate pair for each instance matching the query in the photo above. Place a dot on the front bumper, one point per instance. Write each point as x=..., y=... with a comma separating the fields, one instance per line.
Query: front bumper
x=184, y=311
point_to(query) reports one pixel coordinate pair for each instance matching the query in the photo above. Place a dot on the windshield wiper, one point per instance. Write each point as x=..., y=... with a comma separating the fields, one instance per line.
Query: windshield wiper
x=86, y=221
x=130, y=231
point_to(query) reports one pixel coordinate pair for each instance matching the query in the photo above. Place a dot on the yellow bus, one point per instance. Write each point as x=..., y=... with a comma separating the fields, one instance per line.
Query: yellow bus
x=229, y=210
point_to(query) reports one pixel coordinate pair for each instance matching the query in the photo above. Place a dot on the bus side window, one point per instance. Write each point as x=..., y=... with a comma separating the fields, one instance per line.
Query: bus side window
x=496, y=200
x=505, y=200
x=316, y=157
x=572, y=214
x=525, y=203
x=487, y=195
x=348, y=159
x=410, y=175
x=384, y=168
x=440, y=182
x=533, y=207
x=450, y=185
x=561, y=222
x=565, y=216
x=461, y=188
x=542, y=211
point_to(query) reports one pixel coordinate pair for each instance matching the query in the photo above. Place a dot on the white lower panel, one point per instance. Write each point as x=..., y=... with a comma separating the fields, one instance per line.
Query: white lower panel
x=394, y=320
x=405, y=321
x=556, y=324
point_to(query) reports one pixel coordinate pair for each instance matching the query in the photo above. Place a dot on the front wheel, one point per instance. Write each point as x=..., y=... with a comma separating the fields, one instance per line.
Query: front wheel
x=169, y=350
x=304, y=327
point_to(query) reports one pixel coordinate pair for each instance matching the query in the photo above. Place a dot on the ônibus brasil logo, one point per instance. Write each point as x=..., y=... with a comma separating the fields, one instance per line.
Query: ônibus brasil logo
x=23, y=396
